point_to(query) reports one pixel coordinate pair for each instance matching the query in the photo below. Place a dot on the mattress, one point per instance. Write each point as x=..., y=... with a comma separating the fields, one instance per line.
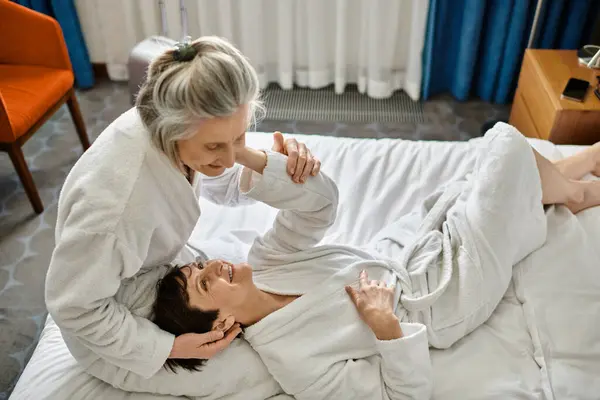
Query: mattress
x=542, y=342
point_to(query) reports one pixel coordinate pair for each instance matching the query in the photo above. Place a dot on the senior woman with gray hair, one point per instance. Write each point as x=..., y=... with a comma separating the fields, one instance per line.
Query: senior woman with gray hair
x=131, y=202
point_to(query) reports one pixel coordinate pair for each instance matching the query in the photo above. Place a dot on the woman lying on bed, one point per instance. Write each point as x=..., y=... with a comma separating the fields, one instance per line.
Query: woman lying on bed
x=428, y=279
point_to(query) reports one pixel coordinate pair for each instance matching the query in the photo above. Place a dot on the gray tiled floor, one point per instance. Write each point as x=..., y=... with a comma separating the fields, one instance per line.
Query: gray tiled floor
x=26, y=240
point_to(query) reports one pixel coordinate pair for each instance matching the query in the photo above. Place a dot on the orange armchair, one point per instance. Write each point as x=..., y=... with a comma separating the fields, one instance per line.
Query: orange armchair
x=36, y=79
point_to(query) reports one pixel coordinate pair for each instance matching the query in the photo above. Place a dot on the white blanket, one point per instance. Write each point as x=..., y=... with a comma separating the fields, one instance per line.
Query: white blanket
x=532, y=326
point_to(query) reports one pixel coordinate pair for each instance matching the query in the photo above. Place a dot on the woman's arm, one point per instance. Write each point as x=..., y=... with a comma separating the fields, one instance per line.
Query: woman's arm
x=306, y=210
x=406, y=371
x=84, y=276
x=256, y=160
x=405, y=365
x=401, y=371
x=224, y=189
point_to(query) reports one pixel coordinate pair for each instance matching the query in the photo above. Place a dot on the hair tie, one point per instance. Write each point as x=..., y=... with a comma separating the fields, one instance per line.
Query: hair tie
x=184, y=51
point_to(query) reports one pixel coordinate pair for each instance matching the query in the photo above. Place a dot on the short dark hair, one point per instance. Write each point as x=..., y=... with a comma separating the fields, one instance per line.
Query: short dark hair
x=172, y=312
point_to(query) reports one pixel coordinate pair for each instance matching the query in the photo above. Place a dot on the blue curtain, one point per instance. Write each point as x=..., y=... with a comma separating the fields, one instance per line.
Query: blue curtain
x=475, y=47
x=65, y=13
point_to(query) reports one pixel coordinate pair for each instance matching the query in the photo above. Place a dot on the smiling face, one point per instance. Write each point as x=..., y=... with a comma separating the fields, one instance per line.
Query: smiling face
x=219, y=285
x=213, y=147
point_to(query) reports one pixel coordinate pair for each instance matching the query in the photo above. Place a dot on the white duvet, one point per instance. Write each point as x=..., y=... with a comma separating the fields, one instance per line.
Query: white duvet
x=543, y=341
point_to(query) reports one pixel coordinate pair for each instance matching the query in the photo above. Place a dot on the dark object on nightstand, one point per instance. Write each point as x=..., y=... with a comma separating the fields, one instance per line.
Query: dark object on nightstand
x=575, y=90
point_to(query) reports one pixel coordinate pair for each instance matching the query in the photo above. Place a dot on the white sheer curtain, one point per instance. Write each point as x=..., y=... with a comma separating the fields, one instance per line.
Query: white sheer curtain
x=376, y=44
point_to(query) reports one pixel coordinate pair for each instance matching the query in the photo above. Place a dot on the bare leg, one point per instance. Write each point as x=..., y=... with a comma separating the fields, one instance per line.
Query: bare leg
x=556, y=188
x=559, y=189
x=580, y=164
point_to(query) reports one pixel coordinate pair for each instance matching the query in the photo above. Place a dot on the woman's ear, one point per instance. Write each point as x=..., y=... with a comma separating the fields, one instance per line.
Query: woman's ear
x=228, y=323
x=224, y=324
x=218, y=326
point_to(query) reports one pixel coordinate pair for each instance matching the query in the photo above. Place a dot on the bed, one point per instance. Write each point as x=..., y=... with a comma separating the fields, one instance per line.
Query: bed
x=543, y=341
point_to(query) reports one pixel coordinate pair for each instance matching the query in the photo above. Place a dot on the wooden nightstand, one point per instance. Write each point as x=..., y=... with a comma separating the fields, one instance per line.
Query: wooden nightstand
x=539, y=112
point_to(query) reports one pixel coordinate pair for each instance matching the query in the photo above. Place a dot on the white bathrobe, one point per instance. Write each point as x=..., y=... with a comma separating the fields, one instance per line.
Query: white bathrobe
x=451, y=261
x=124, y=210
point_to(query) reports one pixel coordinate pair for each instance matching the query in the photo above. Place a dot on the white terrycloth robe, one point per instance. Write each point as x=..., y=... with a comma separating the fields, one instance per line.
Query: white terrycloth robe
x=451, y=260
x=124, y=211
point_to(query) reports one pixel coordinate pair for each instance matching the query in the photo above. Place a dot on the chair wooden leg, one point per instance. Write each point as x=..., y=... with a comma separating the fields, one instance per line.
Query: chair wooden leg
x=78, y=120
x=18, y=159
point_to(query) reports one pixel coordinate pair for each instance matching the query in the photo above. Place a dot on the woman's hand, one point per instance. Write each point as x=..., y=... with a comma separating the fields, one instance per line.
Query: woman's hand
x=203, y=345
x=301, y=162
x=374, y=302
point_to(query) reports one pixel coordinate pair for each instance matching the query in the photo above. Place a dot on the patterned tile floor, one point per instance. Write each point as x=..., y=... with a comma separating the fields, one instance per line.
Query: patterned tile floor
x=27, y=240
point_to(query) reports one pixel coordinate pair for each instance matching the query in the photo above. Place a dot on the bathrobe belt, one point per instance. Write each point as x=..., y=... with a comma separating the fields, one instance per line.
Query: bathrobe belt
x=408, y=271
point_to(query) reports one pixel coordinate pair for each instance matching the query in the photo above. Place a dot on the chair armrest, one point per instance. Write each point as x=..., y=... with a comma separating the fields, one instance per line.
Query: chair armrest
x=31, y=38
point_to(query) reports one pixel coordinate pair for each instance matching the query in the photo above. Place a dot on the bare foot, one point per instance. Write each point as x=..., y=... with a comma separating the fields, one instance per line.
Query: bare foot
x=590, y=198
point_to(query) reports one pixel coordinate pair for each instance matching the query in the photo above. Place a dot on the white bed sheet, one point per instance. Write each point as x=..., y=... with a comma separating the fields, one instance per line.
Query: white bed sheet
x=543, y=341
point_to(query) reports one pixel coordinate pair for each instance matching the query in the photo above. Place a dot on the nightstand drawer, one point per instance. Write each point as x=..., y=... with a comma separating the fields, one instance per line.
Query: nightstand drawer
x=521, y=119
x=536, y=99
